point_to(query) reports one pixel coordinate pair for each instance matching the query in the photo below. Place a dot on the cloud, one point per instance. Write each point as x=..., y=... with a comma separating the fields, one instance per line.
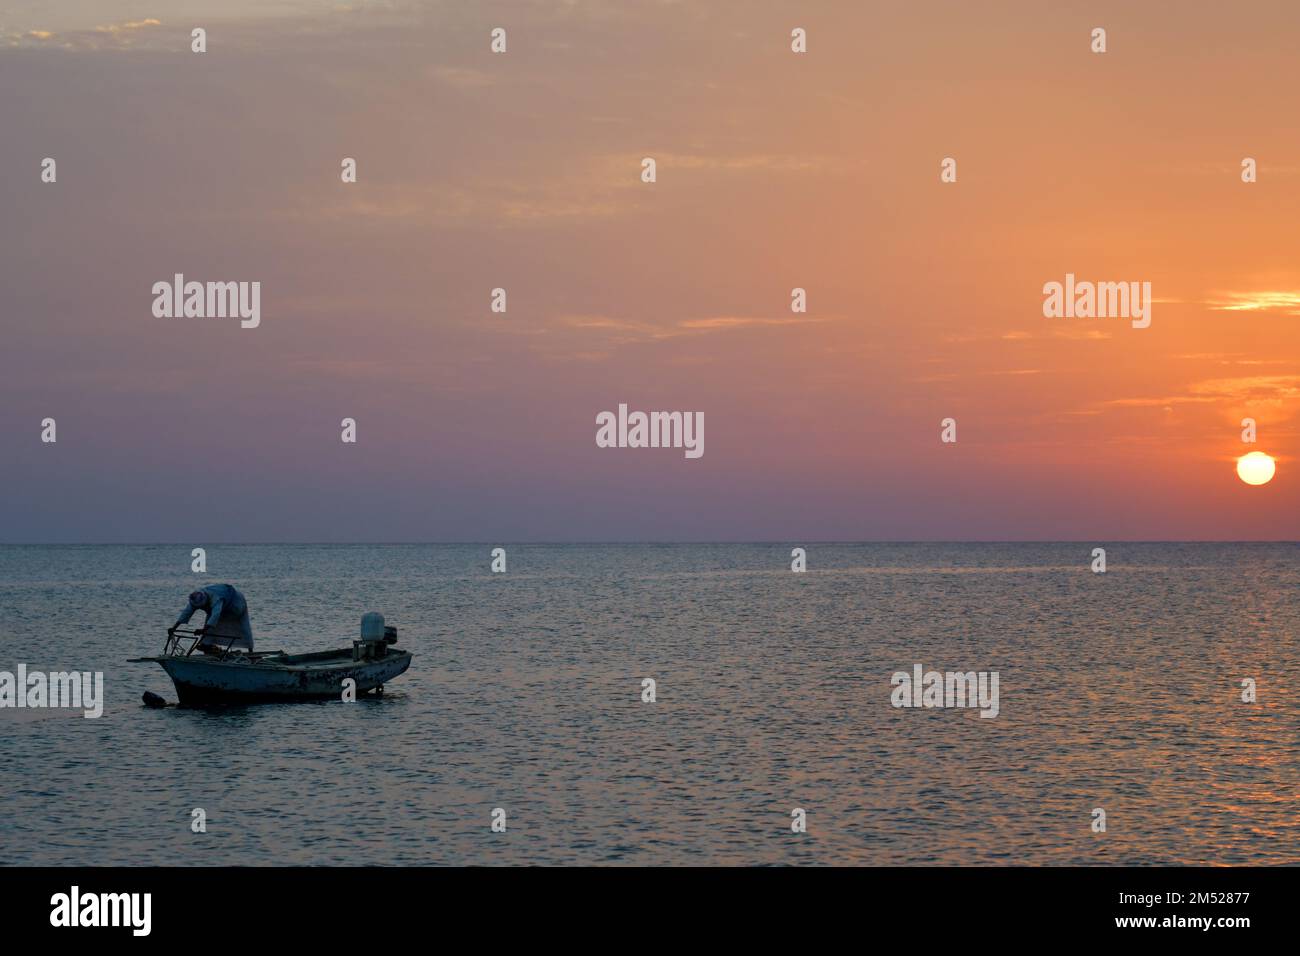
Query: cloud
x=1231, y=358
x=1285, y=302
x=740, y=162
x=1073, y=334
x=736, y=322
x=109, y=36
x=618, y=332
x=462, y=77
x=128, y=26
x=1254, y=389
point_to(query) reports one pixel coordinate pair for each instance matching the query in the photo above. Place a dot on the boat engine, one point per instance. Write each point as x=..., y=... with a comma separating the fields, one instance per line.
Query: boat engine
x=374, y=638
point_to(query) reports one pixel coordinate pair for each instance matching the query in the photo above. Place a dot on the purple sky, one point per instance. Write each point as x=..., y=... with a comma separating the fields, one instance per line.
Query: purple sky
x=521, y=170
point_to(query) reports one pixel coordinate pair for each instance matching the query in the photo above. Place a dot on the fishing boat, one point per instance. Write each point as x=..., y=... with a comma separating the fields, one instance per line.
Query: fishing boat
x=228, y=676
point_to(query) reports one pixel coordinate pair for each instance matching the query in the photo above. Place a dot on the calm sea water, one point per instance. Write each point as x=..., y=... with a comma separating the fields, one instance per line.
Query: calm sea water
x=1119, y=691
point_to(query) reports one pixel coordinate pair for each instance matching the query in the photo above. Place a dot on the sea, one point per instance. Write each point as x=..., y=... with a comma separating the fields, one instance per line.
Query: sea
x=1146, y=715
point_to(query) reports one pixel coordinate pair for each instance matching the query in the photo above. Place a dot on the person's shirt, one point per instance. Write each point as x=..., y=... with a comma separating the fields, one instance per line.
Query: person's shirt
x=221, y=598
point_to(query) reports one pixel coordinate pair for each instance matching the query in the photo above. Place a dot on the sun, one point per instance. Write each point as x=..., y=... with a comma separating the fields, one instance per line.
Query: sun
x=1256, y=468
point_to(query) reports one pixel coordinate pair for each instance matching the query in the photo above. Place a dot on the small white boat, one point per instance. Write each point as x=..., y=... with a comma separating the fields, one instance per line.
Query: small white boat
x=235, y=677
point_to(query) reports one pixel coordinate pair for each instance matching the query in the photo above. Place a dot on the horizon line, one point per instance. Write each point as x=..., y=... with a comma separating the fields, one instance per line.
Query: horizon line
x=631, y=542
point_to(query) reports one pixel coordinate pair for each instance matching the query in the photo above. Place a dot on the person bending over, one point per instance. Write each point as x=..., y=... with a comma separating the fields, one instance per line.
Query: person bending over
x=226, y=626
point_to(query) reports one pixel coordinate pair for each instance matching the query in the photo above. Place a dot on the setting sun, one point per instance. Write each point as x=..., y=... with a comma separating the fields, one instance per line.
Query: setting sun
x=1256, y=468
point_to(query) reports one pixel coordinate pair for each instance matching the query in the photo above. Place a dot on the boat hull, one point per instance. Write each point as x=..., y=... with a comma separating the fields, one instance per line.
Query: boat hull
x=202, y=681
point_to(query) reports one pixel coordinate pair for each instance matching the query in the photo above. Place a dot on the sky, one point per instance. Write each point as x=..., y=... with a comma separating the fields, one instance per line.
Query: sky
x=522, y=170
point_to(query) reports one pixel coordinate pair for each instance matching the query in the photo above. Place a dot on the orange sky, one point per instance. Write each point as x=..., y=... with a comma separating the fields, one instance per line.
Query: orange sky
x=775, y=170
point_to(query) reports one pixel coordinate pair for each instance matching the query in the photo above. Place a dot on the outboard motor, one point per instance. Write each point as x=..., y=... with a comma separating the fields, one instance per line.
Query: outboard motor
x=374, y=638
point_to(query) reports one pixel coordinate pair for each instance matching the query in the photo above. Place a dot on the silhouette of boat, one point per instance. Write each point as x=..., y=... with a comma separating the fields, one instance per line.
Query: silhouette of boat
x=230, y=676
